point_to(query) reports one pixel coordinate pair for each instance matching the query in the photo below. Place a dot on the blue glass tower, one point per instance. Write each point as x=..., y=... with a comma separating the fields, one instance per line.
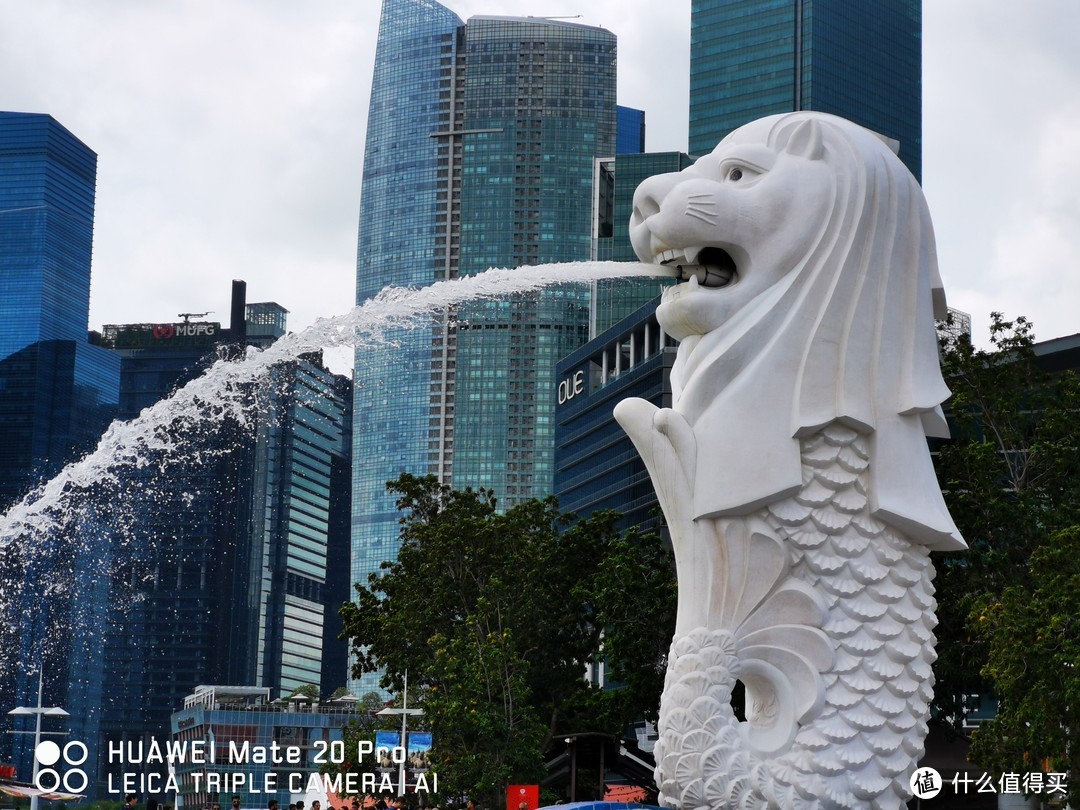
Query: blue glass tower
x=405, y=210
x=861, y=61
x=58, y=389
x=47, y=179
x=57, y=394
x=597, y=466
x=479, y=153
x=631, y=131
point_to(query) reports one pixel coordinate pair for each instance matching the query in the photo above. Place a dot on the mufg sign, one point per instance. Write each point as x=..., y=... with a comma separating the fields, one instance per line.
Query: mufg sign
x=168, y=331
x=571, y=386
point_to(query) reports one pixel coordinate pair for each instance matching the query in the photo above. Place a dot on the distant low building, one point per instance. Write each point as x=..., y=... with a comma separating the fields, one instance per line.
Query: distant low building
x=243, y=724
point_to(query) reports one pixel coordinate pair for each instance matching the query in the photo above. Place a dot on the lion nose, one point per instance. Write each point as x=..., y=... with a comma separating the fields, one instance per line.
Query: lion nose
x=648, y=199
x=650, y=195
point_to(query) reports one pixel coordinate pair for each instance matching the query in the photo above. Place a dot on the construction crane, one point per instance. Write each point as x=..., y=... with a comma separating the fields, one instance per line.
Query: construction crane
x=187, y=316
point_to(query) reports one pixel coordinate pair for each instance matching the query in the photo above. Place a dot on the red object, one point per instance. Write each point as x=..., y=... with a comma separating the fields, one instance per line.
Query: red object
x=625, y=793
x=516, y=794
x=7, y=771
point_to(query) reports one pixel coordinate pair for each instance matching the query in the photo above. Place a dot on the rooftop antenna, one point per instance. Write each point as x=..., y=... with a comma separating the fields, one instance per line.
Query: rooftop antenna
x=187, y=316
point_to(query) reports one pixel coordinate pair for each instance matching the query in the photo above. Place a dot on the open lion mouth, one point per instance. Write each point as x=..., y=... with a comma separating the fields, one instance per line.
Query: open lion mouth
x=711, y=266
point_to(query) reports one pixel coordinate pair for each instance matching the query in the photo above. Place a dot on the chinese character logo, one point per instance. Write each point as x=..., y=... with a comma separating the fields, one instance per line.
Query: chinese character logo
x=48, y=779
x=926, y=783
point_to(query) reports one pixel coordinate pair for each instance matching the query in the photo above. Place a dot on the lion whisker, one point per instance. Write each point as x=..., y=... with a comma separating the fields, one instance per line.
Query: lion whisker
x=708, y=217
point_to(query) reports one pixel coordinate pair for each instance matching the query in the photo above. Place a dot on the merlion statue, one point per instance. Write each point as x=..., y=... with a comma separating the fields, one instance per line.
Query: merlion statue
x=793, y=468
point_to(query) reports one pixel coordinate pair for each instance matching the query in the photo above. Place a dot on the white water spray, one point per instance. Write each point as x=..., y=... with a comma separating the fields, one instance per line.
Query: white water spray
x=221, y=391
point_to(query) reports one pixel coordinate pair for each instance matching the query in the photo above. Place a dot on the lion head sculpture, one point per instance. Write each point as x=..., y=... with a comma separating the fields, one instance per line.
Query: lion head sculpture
x=812, y=287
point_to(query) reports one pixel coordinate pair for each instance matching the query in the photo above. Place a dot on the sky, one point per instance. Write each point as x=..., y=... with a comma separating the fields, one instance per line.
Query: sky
x=230, y=140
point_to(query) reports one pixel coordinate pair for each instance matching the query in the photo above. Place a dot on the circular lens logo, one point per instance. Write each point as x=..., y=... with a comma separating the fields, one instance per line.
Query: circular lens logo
x=926, y=783
x=47, y=753
x=48, y=779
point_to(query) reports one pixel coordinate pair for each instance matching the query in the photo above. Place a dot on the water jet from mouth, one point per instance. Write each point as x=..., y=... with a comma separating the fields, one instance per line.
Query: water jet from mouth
x=88, y=497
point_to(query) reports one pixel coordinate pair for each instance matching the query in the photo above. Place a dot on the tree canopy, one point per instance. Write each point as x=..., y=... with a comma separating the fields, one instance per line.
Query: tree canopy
x=496, y=618
x=1011, y=478
x=1032, y=633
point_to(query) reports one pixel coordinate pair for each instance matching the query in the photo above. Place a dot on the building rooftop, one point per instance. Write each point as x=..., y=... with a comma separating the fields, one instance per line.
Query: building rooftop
x=257, y=699
x=538, y=21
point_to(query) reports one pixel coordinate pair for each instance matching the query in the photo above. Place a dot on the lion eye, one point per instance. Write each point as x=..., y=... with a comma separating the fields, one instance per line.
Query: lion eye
x=738, y=172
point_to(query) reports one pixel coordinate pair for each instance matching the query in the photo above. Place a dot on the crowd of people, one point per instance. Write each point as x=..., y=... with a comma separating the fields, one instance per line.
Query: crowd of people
x=367, y=802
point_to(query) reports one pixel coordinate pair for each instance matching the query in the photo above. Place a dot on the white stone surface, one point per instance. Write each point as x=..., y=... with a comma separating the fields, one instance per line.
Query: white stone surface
x=793, y=468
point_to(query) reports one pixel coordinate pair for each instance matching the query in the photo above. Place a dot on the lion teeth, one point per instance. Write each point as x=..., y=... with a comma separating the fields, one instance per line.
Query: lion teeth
x=707, y=275
x=665, y=256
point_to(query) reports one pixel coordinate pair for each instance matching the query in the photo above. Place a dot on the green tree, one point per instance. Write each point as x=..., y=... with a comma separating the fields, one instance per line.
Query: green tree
x=1011, y=478
x=1032, y=632
x=496, y=616
x=369, y=706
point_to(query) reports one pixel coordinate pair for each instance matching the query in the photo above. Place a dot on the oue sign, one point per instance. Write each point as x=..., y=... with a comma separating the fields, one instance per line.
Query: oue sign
x=571, y=386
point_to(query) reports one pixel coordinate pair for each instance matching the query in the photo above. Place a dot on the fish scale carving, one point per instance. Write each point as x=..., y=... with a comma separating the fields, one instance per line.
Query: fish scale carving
x=878, y=599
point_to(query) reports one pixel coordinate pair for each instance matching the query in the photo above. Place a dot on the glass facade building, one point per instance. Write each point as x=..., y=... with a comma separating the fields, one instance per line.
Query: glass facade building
x=861, y=61
x=58, y=392
x=406, y=209
x=596, y=464
x=47, y=181
x=168, y=621
x=630, y=136
x=480, y=149
x=293, y=556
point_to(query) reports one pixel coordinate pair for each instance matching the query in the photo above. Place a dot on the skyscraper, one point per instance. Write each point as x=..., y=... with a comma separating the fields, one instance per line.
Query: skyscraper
x=479, y=153
x=294, y=552
x=47, y=179
x=57, y=394
x=233, y=562
x=597, y=466
x=861, y=61
x=58, y=390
